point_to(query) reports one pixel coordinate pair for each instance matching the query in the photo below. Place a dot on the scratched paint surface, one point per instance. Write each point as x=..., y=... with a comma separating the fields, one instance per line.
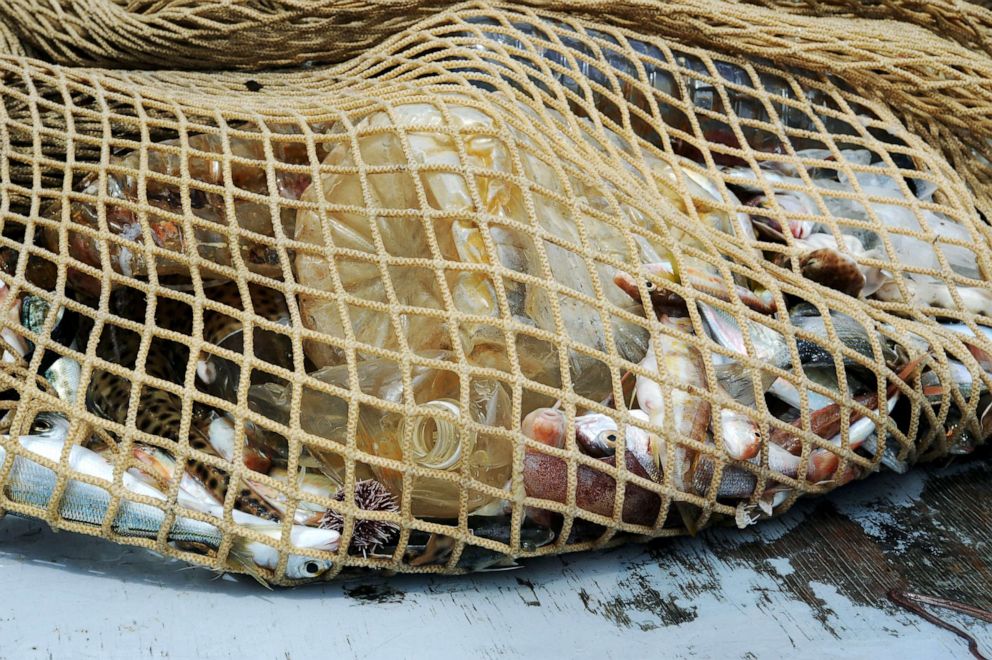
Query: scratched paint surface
x=811, y=584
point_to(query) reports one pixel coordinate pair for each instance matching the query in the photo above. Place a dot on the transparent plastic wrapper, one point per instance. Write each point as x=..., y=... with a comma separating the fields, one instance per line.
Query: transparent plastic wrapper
x=511, y=283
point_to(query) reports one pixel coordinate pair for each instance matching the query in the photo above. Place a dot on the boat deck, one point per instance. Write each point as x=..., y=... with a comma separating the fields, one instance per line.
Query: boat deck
x=811, y=584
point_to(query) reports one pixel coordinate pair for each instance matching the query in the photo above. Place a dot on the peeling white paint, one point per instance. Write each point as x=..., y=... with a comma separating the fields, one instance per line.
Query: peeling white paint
x=782, y=566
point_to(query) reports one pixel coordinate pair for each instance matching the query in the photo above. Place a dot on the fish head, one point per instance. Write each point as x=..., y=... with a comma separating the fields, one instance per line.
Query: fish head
x=546, y=425
x=661, y=297
x=596, y=434
x=306, y=568
x=51, y=425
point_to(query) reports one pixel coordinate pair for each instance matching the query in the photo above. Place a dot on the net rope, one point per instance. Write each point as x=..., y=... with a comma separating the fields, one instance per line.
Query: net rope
x=374, y=270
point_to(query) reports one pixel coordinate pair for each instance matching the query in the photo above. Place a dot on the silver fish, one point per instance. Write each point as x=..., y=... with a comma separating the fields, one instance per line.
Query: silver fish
x=890, y=453
x=771, y=348
x=31, y=483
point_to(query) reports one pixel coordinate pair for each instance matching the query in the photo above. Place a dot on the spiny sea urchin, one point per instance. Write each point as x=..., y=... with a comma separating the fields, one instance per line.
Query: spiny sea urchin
x=370, y=495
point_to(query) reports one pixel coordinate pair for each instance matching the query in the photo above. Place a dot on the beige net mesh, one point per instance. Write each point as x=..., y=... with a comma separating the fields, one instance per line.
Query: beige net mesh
x=424, y=309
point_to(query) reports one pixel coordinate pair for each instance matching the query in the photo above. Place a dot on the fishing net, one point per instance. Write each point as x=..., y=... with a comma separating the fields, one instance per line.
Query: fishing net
x=425, y=309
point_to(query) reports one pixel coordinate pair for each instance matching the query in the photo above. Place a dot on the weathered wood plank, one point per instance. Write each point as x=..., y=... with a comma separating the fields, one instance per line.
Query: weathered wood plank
x=813, y=583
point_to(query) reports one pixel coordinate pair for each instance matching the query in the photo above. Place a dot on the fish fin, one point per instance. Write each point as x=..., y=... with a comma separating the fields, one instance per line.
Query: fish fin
x=242, y=559
x=512, y=566
x=688, y=514
x=746, y=515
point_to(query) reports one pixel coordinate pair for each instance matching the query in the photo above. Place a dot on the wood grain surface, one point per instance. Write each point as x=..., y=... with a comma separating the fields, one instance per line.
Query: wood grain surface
x=811, y=584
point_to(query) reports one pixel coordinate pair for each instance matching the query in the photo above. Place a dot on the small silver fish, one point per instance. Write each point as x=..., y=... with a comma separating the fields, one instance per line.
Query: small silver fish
x=772, y=348
x=890, y=453
x=31, y=483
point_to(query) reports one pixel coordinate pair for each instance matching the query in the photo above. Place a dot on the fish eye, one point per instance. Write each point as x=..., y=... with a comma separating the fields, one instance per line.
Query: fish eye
x=312, y=567
x=649, y=285
x=43, y=425
x=611, y=437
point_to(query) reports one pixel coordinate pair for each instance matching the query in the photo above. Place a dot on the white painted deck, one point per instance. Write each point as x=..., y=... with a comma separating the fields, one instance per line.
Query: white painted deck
x=764, y=593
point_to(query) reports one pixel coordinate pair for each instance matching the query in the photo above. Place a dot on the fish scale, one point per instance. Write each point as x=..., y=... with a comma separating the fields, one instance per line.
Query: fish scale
x=32, y=484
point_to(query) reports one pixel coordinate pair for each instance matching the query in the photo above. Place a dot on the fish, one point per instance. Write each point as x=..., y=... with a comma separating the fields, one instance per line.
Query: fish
x=160, y=414
x=221, y=377
x=737, y=482
x=962, y=329
x=208, y=432
x=772, y=348
x=826, y=421
x=65, y=326
x=31, y=483
x=193, y=495
x=905, y=214
x=597, y=435
x=788, y=393
x=545, y=476
x=308, y=481
x=891, y=451
x=432, y=549
x=851, y=333
x=683, y=371
x=961, y=378
x=791, y=205
x=924, y=291
x=823, y=463
x=692, y=276
x=739, y=434
x=221, y=437
x=676, y=78
x=121, y=190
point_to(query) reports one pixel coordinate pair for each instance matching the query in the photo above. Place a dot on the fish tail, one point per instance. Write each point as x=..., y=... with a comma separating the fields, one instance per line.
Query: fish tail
x=738, y=381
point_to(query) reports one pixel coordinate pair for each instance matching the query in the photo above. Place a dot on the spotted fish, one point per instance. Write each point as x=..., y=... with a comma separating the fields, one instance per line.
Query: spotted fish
x=160, y=411
x=219, y=376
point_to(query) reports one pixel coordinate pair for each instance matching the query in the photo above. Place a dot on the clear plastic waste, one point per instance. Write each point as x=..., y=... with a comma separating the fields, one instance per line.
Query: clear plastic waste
x=452, y=460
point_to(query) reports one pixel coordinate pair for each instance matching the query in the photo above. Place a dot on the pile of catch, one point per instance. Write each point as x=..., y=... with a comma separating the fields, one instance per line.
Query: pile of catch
x=352, y=336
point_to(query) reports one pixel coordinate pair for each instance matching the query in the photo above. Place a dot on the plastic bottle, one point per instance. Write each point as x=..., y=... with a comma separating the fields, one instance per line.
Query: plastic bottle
x=429, y=438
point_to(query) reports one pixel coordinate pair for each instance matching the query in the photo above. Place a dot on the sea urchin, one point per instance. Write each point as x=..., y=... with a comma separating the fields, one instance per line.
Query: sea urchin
x=370, y=495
